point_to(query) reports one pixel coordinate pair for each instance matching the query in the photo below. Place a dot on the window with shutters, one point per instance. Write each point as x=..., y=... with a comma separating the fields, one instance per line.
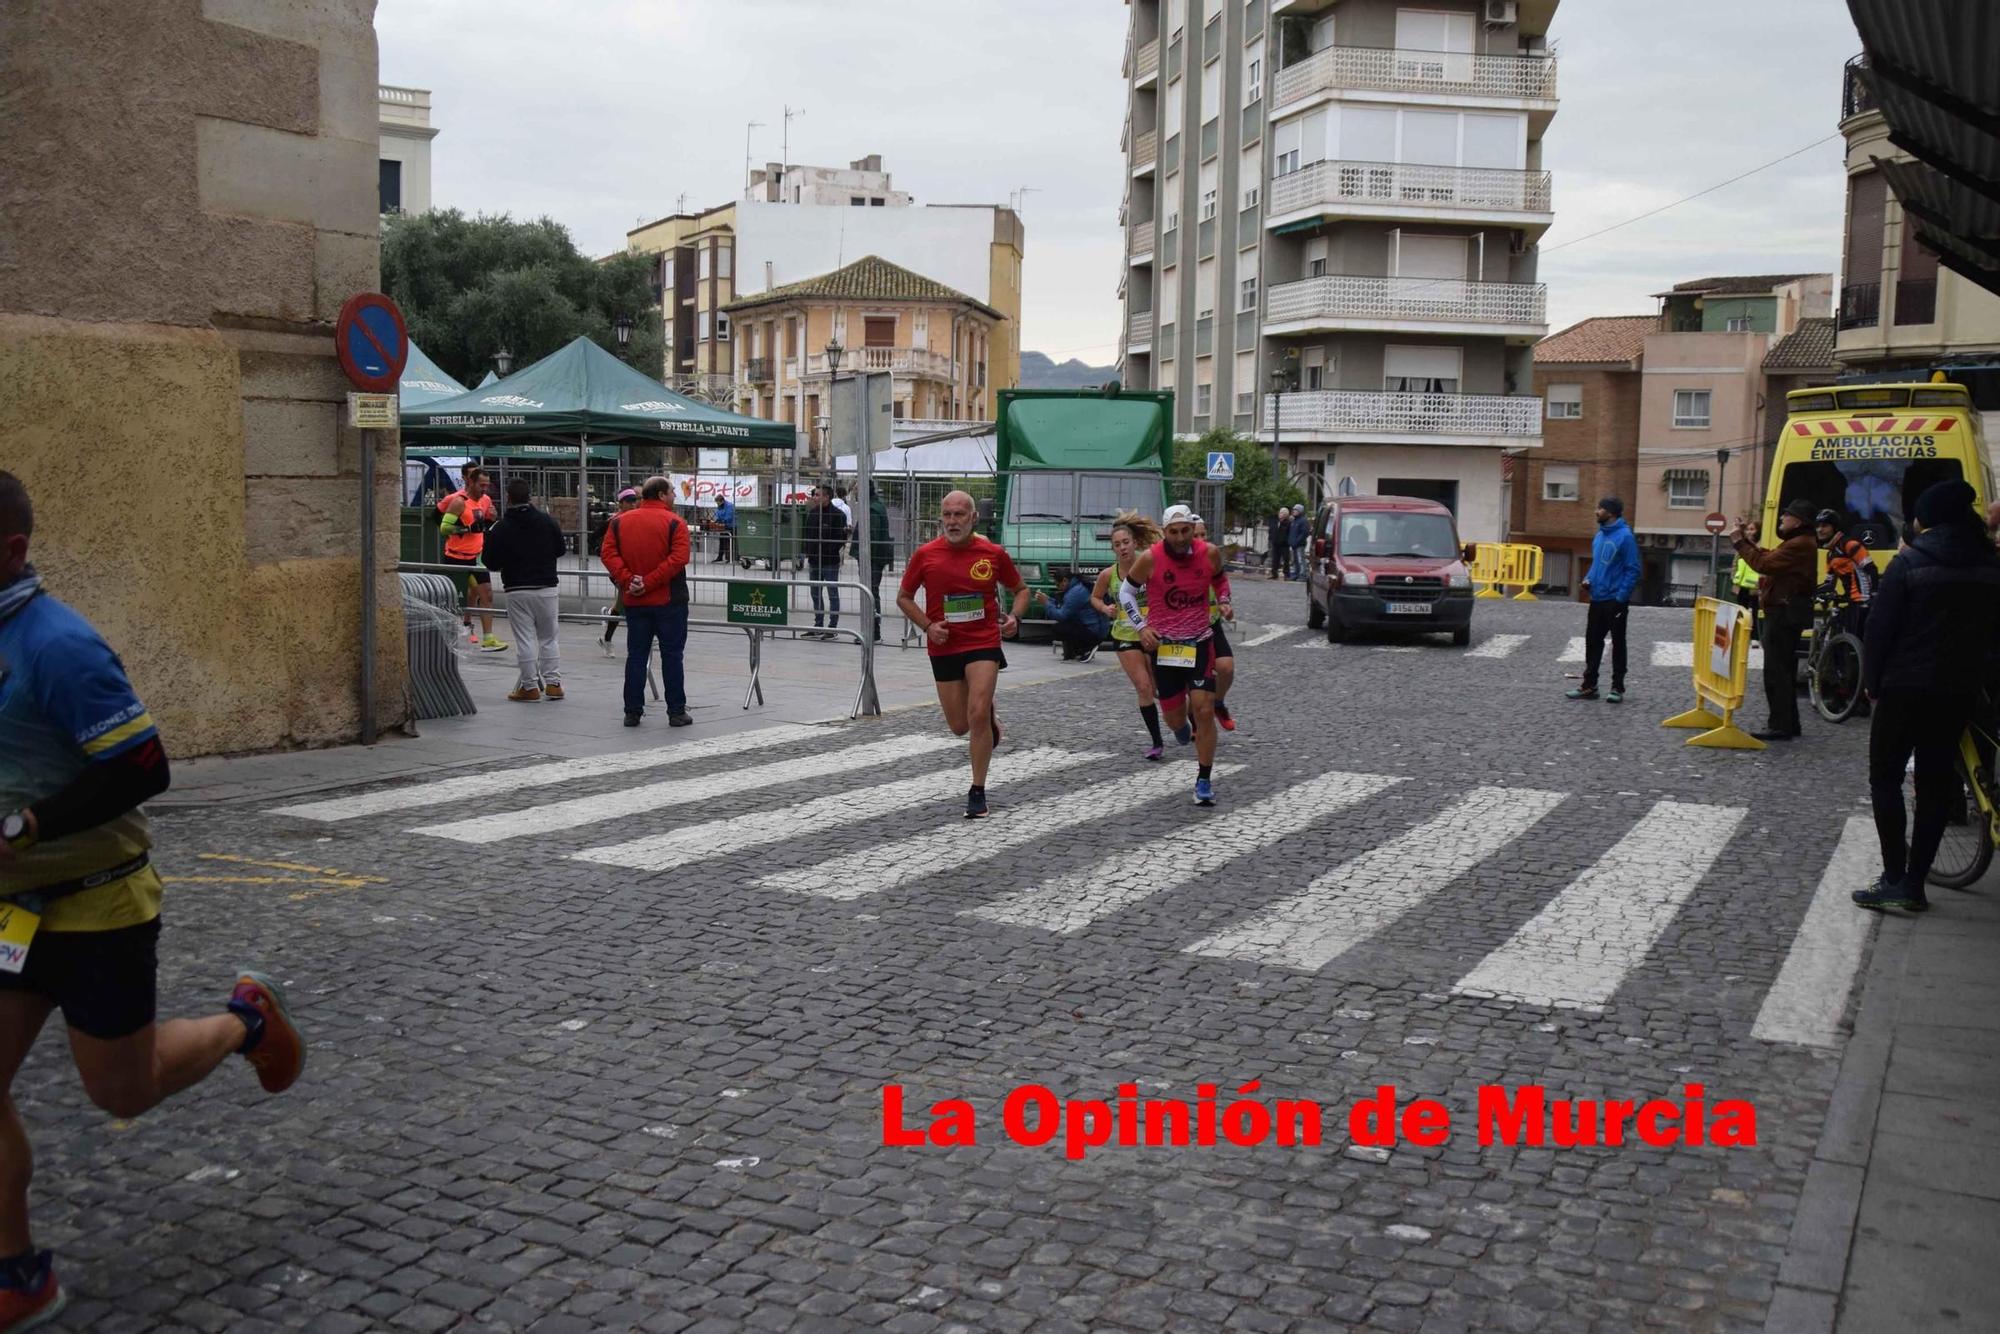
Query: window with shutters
x=1421, y=370
x=878, y=330
x=1565, y=401
x=1687, y=489
x=1560, y=481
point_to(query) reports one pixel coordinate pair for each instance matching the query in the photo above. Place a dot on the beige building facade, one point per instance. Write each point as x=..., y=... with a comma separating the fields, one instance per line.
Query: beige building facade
x=167, y=294
x=404, y=116
x=936, y=343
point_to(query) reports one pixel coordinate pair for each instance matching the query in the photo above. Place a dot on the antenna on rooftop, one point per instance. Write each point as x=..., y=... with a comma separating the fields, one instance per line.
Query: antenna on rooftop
x=1020, y=196
x=785, y=148
x=753, y=125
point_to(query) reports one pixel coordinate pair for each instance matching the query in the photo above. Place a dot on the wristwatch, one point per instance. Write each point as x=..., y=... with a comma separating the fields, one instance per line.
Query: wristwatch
x=14, y=831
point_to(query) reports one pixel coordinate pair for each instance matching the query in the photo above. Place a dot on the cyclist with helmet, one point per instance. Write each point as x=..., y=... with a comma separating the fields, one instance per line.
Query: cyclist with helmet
x=1850, y=573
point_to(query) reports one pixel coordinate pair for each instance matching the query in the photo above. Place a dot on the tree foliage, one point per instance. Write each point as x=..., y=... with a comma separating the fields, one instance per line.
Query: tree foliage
x=471, y=286
x=1258, y=487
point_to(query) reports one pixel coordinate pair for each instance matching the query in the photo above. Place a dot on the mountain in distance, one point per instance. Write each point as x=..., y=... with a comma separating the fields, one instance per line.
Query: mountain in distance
x=1039, y=372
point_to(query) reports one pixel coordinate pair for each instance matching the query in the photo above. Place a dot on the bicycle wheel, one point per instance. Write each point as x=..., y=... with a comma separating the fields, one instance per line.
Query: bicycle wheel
x=1966, y=849
x=1835, y=679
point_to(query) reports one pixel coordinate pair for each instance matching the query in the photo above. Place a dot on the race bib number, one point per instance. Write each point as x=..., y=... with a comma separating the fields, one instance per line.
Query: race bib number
x=962, y=607
x=1176, y=655
x=17, y=929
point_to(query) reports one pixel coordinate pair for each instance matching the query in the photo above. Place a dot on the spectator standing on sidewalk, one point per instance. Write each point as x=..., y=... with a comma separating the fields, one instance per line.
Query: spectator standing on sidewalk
x=725, y=526
x=628, y=499
x=78, y=754
x=646, y=551
x=822, y=535
x=1789, y=572
x=881, y=551
x=1298, y=532
x=1280, y=531
x=1613, y=578
x=523, y=549
x=1933, y=643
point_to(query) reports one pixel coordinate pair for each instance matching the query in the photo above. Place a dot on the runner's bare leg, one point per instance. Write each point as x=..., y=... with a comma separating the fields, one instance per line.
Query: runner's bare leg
x=980, y=678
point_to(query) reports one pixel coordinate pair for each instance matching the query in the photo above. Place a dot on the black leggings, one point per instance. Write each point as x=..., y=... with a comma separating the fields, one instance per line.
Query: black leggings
x=1929, y=727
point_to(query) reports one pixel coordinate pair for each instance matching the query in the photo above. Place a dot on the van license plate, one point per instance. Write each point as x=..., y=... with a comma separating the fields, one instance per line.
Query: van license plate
x=1409, y=608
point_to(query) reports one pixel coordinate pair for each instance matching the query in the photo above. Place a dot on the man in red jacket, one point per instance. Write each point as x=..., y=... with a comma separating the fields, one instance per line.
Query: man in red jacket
x=646, y=552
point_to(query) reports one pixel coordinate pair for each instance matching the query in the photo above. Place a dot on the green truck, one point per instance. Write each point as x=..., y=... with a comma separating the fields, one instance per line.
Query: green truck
x=1068, y=461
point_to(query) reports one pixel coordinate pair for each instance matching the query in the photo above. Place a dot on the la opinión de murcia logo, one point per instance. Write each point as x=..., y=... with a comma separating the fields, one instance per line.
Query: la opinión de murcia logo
x=1033, y=1116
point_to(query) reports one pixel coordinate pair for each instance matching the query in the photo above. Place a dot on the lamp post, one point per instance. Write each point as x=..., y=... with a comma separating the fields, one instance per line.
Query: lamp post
x=1715, y=540
x=1277, y=421
x=834, y=352
x=503, y=362
x=622, y=328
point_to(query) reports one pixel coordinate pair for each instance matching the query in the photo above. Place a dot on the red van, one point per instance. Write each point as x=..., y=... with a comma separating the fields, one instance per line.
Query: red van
x=1389, y=563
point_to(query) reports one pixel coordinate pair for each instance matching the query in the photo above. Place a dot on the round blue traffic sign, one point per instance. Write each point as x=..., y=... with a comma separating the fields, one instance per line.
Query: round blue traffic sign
x=371, y=342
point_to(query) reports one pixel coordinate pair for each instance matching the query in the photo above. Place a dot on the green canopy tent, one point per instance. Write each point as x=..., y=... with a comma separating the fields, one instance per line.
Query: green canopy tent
x=582, y=396
x=491, y=378
x=422, y=382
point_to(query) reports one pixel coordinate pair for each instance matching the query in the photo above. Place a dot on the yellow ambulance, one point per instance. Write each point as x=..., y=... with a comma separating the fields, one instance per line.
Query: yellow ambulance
x=1867, y=452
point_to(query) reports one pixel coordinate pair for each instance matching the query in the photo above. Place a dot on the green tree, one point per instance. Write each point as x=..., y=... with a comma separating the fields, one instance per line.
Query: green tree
x=1257, y=489
x=471, y=286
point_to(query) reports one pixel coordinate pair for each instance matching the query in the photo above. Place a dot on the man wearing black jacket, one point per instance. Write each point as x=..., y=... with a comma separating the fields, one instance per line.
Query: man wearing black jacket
x=523, y=549
x=823, y=534
x=881, y=550
x=1933, y=633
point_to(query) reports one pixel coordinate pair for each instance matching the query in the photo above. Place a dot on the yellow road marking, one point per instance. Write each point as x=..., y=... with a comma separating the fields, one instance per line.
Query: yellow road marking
x=293, y=866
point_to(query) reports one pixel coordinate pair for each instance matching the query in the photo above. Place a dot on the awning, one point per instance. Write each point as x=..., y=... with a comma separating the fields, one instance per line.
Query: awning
x=1686, y=474
x=583, y=391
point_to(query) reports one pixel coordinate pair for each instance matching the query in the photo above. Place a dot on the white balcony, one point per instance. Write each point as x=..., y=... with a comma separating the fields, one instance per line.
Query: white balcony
x=916, y=363
x=1336, y=302
x=1142, y=242
x=1145, y=151
x=1139, y=332
x=1526, y=82
x=1411, y=191
x=1148, y=68
x=1352, y=416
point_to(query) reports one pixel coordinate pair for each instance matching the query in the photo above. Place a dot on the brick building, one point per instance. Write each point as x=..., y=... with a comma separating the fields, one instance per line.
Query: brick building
x=1588, y=377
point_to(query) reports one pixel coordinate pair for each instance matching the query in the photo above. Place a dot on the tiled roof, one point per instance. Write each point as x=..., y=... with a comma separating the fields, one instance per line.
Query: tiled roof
x=1806, y=348
x=1602, y=338
x=871, y=278
x=1750, y=284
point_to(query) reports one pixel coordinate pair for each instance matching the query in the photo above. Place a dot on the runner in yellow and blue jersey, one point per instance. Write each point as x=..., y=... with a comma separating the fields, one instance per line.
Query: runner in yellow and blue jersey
x=1130, y=534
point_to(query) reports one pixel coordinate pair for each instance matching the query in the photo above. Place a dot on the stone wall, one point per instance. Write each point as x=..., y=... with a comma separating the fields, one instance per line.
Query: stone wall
x=190, y=197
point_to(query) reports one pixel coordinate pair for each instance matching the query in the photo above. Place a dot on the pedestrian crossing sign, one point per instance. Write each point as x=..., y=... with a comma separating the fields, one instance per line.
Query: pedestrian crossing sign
x=1221, y=466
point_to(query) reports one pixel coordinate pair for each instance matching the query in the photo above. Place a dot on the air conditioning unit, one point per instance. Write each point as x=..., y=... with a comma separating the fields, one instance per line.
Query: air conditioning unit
x=1500, y=12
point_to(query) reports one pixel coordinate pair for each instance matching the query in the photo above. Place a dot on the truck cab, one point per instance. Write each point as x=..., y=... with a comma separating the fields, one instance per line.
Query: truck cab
x=1391, y=564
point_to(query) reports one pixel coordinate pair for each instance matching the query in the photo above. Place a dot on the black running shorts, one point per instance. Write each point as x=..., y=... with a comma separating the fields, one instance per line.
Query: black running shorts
x=102, y=981
x=951, y=666
x=1170, y=681
x=474, y=571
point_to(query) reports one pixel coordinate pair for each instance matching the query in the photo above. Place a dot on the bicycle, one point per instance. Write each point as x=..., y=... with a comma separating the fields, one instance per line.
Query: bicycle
x=1972, y=823
x=1833, y=665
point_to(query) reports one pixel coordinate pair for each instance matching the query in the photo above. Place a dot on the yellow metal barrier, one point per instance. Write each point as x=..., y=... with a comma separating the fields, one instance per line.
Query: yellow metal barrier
x=1497, y=565
x=1721, y=676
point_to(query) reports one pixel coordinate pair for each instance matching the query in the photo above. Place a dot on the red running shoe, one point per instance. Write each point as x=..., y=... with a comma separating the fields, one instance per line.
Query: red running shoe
x=1222, y=716
x=280, y=1054
x=35, y=1303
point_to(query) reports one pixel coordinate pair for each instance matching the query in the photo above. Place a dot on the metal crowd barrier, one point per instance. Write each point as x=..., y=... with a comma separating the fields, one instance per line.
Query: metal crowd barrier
x=430, y=635
x=866, y=701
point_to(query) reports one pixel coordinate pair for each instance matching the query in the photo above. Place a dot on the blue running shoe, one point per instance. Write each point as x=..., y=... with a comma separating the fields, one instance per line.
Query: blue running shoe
x=1183, y=734
x=1204, y=792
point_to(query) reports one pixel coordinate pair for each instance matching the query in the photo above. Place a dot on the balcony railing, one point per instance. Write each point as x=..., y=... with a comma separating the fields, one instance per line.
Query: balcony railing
x=1447, y=72
x=1139, y=331
x=1142, y=238
x=1916, y=301
x=757, y=370
x=1854, y=95
x=910, y=361
x=1404, y=184
x=1356, y=411
x=1441, y=300
x=1145, y=149
x=1149, y=60
x=1860, y=305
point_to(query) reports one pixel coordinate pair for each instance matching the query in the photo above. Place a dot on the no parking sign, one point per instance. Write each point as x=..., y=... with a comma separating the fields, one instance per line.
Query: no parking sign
x=371, y=342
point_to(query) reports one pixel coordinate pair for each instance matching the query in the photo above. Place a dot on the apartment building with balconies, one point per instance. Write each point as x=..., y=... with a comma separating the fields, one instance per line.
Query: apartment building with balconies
x=936, y=342
x=1342, y=199
x=1900, y=310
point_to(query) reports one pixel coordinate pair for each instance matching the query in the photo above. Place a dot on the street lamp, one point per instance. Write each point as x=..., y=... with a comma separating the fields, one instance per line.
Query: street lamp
x=834, y=352
x=503, y=362
x=1715, y=540
x=622, y=326
x=1278, y=381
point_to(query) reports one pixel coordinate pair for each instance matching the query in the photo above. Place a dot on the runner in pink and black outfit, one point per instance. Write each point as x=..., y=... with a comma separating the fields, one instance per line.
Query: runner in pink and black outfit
x=1177, y=575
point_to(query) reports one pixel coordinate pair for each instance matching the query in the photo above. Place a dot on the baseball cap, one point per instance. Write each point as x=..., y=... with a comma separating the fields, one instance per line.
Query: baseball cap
x=1177, y=514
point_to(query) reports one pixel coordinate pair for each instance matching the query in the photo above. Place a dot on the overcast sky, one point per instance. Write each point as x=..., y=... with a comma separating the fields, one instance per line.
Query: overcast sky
x=603, y=113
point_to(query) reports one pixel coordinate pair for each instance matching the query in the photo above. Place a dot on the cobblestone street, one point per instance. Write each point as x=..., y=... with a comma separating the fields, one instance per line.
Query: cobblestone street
x=604, y=1047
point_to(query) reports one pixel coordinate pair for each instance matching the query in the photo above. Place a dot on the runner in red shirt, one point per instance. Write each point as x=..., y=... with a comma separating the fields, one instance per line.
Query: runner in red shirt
x=1177, y=575
x=962, y=626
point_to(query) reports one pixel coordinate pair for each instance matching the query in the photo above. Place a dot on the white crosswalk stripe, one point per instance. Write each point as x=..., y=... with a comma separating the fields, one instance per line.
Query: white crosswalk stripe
x=446, y=791
x=717, y=837
x=1578, y=948
x=1805, y=1004
x=1072, y=902
x=1680, y=653
x=1270, y=635
x=968, y=842
x=1352, y=903
x=1572, y=651
x=1498, y=646
x=650, y=797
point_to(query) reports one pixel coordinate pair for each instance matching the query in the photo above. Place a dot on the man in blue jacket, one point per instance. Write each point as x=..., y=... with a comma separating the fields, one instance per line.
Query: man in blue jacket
x=1079, y=625
x=1300, y=533
x=1613, y=577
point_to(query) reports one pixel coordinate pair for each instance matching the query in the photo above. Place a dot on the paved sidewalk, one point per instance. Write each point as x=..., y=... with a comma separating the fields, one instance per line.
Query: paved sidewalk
x=1898, y=1222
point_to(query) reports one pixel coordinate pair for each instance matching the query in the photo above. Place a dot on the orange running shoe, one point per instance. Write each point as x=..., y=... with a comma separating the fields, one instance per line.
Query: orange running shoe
x=35, y=1303
x=280, y=1054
